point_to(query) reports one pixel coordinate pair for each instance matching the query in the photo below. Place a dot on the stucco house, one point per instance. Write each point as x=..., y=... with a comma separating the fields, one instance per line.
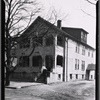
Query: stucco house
x=63, y=51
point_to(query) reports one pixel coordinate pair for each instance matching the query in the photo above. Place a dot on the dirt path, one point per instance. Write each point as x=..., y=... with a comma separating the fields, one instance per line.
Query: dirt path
x=77, y=90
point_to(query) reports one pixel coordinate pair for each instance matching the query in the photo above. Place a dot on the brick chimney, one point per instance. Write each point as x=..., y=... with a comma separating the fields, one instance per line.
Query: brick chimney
x=59, y=24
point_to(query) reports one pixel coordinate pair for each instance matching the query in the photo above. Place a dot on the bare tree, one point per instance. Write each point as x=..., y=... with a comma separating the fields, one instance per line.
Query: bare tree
x=18, y=17
x=93, y=2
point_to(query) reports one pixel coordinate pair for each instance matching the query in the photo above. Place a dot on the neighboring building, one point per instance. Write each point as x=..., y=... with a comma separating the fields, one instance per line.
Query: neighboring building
x=64, y=51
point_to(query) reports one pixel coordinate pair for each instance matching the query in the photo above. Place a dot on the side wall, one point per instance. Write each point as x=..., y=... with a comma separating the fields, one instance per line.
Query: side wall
x=72, y=55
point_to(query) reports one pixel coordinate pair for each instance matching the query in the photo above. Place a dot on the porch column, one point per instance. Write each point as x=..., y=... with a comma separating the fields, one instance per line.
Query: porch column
x=43, y=61
x=55, y=54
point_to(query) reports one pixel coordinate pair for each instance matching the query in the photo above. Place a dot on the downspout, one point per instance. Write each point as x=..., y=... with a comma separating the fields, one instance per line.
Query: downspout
x=65, y=62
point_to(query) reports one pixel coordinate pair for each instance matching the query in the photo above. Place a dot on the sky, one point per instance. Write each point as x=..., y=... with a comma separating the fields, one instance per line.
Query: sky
x=74, y=13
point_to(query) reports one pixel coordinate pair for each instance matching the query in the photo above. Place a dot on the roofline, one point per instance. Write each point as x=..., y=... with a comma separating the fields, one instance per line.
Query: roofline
x=55, y=27
x=76, y=29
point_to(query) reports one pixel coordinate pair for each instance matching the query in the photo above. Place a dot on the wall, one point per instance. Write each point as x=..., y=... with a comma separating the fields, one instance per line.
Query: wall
x=72, y=55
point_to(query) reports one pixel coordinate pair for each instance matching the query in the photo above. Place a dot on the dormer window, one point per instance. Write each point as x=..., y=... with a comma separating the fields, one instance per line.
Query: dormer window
x=83, y=37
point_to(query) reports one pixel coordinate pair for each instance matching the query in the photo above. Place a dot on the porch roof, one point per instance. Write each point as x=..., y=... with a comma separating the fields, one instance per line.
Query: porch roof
x=91, y=67
x=27, y=69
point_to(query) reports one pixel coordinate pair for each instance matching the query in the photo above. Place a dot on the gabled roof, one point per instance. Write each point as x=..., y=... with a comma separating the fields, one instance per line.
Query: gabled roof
x=52, y=26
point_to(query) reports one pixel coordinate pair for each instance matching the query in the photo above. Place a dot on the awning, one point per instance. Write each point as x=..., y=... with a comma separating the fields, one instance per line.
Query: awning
x=91, y=67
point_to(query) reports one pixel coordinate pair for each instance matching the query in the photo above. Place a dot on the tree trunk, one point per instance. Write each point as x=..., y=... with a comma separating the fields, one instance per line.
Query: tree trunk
x=7, y=77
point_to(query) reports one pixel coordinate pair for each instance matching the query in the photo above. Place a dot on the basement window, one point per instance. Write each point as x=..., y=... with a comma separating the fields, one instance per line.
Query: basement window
x=70, y=76
x=91, y=76
x=83, y=76
x=76, y=76
x=59, y=76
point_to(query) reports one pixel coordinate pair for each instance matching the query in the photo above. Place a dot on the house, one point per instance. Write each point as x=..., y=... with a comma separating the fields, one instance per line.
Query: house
x=63, y=51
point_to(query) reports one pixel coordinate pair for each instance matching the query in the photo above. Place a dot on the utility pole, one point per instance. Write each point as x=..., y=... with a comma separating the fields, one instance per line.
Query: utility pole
x=98, y=50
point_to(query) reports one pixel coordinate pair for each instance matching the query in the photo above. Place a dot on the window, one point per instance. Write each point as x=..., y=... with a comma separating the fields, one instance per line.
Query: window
x=49, y=62
x=91, y=76
x=83, y=37
x=25, y=43
x=92, y=55
x=24, y=61
x=59, y=60
x=59, y=76
x=83, y=76
x=37, y=61
x=88, y=53
x=70, y=76
x=49, y=40
x=76, y=76
x=77, y=48
x=83, y=50
x=60, y=41
x=83, y=65
x=76, y=64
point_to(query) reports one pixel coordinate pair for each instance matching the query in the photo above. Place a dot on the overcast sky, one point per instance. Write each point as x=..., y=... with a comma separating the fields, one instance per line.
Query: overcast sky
x=76, y=17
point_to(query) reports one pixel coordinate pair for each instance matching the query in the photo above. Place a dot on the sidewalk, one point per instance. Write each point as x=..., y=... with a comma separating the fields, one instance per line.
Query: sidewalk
x=18, y=85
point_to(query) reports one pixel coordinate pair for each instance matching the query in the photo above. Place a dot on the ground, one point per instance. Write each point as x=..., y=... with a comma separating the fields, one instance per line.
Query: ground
x=74, y=90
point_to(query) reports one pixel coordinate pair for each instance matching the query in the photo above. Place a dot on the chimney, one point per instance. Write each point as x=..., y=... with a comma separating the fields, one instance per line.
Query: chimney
x=59, y=24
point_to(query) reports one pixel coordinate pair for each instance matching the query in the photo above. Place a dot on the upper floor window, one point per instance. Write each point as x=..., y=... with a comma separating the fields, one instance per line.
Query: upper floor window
x=49, y=40
x=60, y=40
x=25, y=43
x=83, y=65
x=92, y=55
x=77, y=48
x=76, y=64
x=83, y=50
x=89, y=53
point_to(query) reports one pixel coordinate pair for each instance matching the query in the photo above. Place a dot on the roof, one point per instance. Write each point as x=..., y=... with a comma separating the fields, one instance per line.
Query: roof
x=74, y=29
x=91, y=67
x=55, y=28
